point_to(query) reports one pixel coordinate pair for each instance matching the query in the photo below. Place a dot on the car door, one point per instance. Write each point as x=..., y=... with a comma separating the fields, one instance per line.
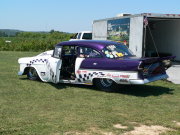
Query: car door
x=54, y=65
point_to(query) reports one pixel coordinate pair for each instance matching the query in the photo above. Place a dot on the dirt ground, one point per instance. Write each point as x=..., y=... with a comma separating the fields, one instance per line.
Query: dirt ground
x=138, y=130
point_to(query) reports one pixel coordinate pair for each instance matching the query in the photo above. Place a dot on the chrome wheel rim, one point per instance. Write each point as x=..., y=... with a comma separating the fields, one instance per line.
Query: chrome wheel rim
x=106, y=82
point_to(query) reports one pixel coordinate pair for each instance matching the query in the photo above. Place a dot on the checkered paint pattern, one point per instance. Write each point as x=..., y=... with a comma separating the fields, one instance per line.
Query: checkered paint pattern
x=88, y=76
x=37, y=60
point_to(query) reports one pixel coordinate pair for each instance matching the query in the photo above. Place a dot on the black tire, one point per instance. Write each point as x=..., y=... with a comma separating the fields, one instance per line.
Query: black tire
x=105, y=84
x=32, y=74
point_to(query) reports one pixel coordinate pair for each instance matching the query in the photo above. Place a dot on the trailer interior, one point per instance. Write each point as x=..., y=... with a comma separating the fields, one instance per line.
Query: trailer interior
x=163, y=35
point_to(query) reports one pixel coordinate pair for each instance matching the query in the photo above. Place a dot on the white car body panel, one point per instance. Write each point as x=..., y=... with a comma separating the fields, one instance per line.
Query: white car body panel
x=50, y=68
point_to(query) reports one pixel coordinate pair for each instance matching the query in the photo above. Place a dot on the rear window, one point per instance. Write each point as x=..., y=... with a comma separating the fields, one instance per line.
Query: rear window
x=87, y=36
x=116, y=51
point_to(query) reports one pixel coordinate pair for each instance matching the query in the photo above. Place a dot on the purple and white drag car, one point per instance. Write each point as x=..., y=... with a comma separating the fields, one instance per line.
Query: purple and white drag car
x=103, y=63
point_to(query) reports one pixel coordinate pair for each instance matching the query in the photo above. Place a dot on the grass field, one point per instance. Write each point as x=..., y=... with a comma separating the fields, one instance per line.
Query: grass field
x=31, y=107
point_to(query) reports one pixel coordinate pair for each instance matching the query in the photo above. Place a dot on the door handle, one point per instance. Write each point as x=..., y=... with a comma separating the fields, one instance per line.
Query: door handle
x=95, y=64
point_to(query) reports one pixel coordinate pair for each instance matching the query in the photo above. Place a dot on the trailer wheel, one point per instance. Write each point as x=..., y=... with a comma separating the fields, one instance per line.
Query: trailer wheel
x=105, y=84
x=32, y=74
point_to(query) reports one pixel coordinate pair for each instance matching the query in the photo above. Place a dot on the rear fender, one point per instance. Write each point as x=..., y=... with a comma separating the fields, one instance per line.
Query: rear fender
x=164, y=61
x=167, y=58
x=167, y=61
x=151, y=60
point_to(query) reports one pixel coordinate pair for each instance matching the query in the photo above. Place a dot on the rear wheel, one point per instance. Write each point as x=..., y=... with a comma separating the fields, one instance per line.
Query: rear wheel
x=105, y=84
x=32, y=74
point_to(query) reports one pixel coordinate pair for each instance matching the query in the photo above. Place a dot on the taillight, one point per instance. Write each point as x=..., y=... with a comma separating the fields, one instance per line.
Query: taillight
x=141, y=66
x=166, y=63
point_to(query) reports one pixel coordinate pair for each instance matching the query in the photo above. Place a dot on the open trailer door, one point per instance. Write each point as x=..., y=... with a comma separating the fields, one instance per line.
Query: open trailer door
x=136, y=35
x=162, y=36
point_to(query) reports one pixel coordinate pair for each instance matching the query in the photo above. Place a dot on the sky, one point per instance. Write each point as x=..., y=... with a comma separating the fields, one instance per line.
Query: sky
x=74, y=15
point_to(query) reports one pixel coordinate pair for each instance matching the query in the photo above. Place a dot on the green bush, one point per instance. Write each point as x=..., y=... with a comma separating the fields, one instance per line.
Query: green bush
x=33, y=41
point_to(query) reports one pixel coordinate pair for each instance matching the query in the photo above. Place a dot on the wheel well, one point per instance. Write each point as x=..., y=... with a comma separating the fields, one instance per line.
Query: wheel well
x=26, y=70
x=94, y=80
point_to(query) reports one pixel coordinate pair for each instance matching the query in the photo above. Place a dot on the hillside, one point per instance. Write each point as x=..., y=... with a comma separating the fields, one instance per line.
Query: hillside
x=9, y=32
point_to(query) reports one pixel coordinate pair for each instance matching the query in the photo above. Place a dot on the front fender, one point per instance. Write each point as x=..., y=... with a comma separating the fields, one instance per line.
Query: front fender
x=43, y=75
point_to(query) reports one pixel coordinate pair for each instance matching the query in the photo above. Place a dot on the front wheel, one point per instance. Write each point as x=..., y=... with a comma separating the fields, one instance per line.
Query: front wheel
x=32, y=74
x=105, y=84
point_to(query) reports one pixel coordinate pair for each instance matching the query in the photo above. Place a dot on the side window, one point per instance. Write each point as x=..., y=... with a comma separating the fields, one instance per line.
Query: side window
x=85, y=52
x=68, y=50
x=57, y=52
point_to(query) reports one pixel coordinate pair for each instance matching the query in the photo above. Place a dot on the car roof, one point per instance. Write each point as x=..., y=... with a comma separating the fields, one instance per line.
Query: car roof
x=96, y=44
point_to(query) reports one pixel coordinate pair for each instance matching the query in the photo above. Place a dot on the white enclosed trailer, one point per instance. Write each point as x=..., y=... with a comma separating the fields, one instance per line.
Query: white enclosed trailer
x=145, y=34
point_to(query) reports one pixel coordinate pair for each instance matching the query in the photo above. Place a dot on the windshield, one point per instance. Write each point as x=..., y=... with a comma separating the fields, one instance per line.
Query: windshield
x=116, y=51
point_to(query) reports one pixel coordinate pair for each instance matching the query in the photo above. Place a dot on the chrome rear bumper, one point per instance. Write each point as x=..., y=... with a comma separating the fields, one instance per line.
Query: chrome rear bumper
x=148, y=80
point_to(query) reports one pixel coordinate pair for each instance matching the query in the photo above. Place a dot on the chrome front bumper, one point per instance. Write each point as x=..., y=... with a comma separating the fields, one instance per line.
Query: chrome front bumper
x=148, y=80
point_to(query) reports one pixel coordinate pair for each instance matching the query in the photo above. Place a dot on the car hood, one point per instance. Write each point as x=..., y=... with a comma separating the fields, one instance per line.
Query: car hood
x=42, y=57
